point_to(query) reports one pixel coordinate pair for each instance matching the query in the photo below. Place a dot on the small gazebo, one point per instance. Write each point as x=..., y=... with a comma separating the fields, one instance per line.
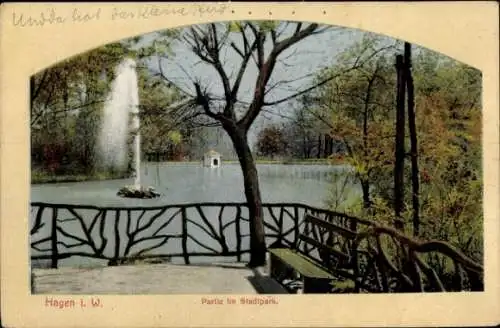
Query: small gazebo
x=211, y=159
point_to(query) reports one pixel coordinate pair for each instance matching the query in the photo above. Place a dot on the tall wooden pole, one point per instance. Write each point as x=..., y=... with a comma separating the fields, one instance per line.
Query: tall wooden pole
x=399, y=144
x=413, y=141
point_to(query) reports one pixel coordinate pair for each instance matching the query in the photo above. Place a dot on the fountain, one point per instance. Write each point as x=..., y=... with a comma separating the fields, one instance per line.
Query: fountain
x=122, y=104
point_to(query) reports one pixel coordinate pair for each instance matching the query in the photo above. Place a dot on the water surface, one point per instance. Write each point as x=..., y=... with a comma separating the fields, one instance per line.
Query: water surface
x=191, y=183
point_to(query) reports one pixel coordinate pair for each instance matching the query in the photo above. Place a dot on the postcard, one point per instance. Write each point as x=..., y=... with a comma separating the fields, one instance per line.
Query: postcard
x=249, y=164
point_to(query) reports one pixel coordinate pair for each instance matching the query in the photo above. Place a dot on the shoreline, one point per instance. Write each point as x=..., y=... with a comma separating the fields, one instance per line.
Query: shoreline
x=72, y=178
x=264, y=161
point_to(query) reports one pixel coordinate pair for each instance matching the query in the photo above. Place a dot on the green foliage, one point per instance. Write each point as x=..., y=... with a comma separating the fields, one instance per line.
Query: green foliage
x=234, y=26
x=267, y=25
x=175, y=137
x=360, y=106
x=344, y=195
x=160, y=127
x=264, y=26
x=67, y=101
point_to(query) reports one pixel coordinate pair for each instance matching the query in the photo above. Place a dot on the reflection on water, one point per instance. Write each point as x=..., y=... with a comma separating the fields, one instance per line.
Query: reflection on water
x=188, y=183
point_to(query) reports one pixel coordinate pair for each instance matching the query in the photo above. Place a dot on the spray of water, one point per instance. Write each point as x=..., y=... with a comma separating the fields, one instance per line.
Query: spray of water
x=122, y=103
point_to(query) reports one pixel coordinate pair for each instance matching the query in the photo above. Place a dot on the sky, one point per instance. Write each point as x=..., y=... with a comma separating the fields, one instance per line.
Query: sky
x=297, y=65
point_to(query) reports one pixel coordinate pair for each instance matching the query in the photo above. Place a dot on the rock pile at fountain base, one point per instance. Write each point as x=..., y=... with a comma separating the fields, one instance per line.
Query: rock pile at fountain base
x=137, y=192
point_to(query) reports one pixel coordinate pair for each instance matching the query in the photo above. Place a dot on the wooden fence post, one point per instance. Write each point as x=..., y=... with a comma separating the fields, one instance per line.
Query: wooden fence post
x=55, y=252
x=354, y=256
x=117, y=235
x=184, y=235
x=296, y=223
x=238, y=233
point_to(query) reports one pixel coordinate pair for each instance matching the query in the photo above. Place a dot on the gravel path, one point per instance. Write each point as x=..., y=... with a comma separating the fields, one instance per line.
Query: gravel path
x=228, y=278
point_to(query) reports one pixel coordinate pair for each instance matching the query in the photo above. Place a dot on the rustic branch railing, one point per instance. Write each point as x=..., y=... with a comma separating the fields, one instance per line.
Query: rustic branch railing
x=379, y=259
x=382, y=259
x=59, y=231
x=417, y=275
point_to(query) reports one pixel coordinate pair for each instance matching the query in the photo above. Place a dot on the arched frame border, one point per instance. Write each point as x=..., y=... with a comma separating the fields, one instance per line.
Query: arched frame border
x=466, y=31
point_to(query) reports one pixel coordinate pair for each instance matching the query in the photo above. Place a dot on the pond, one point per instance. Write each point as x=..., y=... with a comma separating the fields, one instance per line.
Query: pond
x=181, y=183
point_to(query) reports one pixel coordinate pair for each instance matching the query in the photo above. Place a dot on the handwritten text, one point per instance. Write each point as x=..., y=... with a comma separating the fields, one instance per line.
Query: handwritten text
x=52, y=16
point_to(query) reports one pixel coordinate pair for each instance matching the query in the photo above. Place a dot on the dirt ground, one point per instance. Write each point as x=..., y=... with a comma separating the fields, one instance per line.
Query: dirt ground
x=227, y=278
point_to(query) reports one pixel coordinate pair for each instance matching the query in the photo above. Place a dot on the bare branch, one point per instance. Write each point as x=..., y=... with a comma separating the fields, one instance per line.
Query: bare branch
x=199, y=44
x=215, y=41
x=237, y=50
x=171, y=83
x=295, y=38
x=266, y=70
x=278, y=114
x=322, y=30
x=241, y=72
x=297, y=94
x=260, y=38
x=356, y=65
x=297, y=28
x=281, y=82
x=273, y=36
x=203, y=100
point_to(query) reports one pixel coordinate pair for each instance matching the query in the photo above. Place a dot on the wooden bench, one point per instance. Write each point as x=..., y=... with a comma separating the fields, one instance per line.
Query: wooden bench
x=316, y=277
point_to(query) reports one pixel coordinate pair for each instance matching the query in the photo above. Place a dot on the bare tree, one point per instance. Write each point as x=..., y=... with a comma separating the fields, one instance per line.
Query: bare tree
x=209, y=43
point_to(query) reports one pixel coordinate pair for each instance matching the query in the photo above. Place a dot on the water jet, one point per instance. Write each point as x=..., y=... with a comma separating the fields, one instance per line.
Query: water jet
x=121, y=106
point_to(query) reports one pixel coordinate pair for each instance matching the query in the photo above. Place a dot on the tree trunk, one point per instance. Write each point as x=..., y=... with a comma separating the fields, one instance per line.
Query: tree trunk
x=399, y=144
x=365, y=182
x=304, y=146
x=319, y=146
x=253, y=197
x=413, y=140
x=326, y=146
x=365, y=187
